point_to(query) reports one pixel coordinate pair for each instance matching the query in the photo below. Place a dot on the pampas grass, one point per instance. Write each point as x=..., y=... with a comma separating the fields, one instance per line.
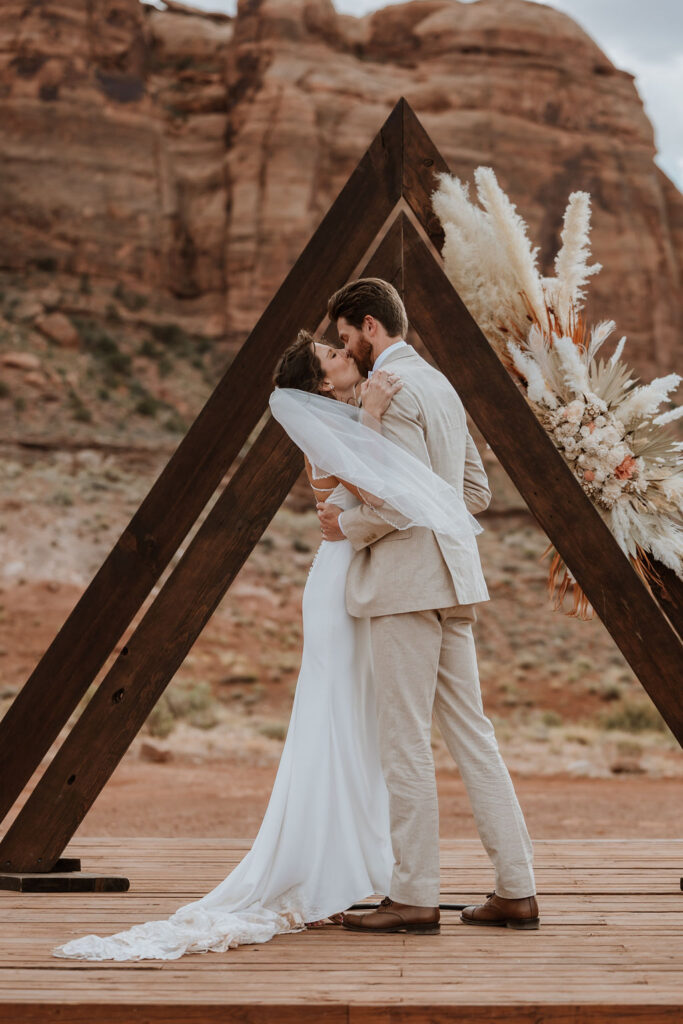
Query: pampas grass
x=571, y=263
x=607, y=428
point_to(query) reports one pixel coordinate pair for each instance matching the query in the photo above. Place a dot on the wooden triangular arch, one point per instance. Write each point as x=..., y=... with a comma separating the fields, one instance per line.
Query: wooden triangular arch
x=395, y=178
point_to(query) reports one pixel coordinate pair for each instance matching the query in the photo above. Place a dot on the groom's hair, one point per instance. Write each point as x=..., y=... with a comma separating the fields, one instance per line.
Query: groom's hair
x=370, y=296
x=299, y=366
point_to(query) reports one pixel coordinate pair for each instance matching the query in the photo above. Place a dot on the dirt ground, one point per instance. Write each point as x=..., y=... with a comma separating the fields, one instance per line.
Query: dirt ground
x=589, y=754
x=228, y=799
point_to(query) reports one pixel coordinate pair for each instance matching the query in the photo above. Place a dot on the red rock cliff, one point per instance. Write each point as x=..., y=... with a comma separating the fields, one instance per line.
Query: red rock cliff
x=187, y=157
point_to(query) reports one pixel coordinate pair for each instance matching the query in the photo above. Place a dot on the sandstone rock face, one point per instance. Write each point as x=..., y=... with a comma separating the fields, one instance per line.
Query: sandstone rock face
x=179, y=161
x=59, y=329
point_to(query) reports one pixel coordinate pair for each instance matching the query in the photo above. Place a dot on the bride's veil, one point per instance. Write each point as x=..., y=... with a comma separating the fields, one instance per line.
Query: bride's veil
x=402, y=490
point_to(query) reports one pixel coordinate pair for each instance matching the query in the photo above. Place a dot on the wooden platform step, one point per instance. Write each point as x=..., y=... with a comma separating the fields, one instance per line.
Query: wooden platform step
x=610, y=947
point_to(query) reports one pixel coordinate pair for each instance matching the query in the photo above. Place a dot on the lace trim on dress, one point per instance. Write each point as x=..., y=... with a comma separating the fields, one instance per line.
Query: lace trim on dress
x=191, y=929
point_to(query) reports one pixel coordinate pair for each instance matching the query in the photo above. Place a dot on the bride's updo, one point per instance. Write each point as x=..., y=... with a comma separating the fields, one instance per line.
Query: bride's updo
x=299, y=366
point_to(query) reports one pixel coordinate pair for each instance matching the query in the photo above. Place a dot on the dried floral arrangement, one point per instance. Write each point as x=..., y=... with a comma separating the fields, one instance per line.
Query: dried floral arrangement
x=607, y=428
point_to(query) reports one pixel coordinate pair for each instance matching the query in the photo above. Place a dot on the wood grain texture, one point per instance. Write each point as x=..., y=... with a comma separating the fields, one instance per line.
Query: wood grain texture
x=122, y=702
x=422, y=161
x=634, y=618
x=195, y=470
x=159, y=645
x=401, y=162
x=670, y=595
x=596, y=959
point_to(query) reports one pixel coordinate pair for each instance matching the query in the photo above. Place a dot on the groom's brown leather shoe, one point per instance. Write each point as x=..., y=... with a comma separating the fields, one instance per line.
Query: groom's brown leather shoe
x=503, y=912
x=395, y=917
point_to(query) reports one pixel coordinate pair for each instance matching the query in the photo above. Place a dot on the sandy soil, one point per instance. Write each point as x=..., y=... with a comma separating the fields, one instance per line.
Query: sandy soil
x=588, y=752
x=228, y=799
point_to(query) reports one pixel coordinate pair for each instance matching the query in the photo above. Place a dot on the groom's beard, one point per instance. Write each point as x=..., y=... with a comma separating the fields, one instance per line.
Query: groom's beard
x=363, y=356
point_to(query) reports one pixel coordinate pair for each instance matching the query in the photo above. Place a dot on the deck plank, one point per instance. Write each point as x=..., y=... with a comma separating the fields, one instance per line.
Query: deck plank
x=609, y=949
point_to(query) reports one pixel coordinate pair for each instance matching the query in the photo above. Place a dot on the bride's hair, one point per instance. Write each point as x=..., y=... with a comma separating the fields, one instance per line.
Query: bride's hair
x=299, y=366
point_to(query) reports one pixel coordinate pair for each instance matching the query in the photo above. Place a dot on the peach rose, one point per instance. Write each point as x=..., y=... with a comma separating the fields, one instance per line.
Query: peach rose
x=625, y=468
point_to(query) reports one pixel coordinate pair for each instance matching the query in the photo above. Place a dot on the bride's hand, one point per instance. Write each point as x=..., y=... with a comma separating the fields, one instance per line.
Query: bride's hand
x=377, y=393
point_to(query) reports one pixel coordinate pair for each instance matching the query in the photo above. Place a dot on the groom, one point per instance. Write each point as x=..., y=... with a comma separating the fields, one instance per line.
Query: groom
x=419, y=591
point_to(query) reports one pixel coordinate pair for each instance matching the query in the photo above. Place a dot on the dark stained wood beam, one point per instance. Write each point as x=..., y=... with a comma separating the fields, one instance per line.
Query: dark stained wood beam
x=138, y=677
x=401, y=162
x=148, y=543
x=120, y=706
x=631, y=614
x=422, y=161
x=670, y=594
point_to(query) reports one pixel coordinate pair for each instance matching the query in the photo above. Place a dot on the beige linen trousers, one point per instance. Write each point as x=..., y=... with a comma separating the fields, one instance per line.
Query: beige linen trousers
x=419, y=592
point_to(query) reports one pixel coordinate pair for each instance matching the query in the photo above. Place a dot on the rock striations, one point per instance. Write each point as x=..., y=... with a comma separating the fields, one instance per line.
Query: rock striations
x=177, y=162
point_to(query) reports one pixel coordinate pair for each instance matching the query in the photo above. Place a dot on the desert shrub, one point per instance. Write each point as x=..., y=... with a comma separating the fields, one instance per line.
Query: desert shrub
x=195, y=703
x=63, y=498
x=4, y=389
x=79, y=411
x=551, y=718
x=19, y=403
x=175, y=423
x=274, y=730
x=164, y=366
x=184, y=699
x=161, y=720
x=149, y=349
x=641, y=716
x=147, y=405
x=174, y=338
x=105, y=348
x=47, y=263
x=130, y=299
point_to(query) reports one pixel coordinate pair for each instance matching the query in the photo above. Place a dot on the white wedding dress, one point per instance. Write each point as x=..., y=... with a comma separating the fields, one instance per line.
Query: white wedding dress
x=325, y=840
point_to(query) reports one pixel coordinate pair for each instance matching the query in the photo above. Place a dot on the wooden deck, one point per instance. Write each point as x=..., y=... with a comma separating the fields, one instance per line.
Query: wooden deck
x=610, y=947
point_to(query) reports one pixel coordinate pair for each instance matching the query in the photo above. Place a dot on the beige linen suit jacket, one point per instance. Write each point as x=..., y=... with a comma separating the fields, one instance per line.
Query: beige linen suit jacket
x=395, y=571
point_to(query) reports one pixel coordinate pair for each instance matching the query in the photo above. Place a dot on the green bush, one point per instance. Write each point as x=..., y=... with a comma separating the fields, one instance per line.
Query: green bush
x=161, y=720
x=79, y=410
x=635, y=717
x=149, y=349
x=105, y=348
x=175, y=423
x=174, y=338
x=274, y=730
x=147, y=405
x=62, y=498
x=551, y=718
x=131, y=300
x=47, y=263
x=164, y=366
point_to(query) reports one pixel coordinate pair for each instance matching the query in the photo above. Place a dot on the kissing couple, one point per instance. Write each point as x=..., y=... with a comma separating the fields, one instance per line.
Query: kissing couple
x=387, y=610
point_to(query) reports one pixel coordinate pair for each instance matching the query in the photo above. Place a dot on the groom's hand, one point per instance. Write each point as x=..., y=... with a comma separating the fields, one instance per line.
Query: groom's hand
x=329, y=516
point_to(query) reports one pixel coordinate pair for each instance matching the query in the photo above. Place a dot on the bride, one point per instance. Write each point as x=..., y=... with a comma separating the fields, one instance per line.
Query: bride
x=324, y=842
